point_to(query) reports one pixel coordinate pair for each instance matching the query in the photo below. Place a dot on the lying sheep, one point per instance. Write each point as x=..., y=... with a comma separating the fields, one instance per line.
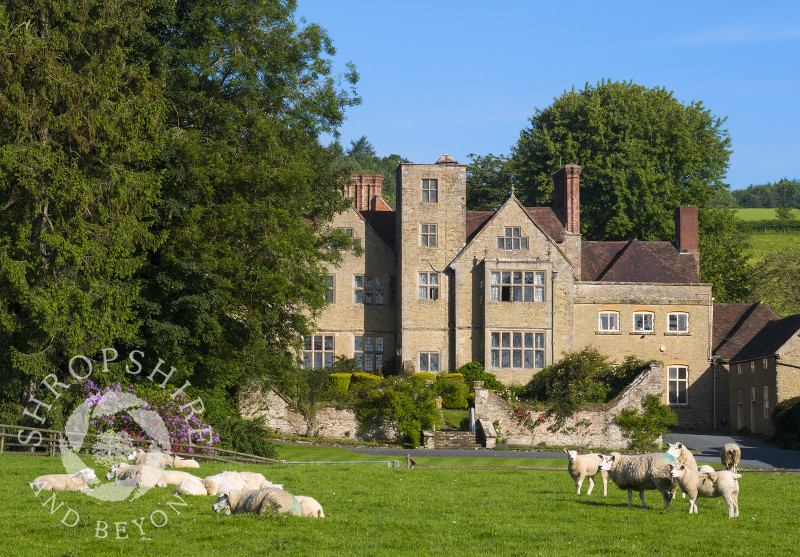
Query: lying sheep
x=583, y=466
x=309, y=507
x=730, y=455
x=175, y=477
x=79, y=481
x=228, y=481
x=191, y=486
x=642, y=472
x=714, y=484
x=267, y=501
x=141, y=475
x=160, y=460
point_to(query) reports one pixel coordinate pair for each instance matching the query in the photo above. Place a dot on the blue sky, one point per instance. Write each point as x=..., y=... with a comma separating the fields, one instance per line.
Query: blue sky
x=461, y=77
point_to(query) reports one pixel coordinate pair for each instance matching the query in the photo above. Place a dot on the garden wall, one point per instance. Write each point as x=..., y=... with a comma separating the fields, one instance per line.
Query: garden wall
x=329, y=422
x=491, y=408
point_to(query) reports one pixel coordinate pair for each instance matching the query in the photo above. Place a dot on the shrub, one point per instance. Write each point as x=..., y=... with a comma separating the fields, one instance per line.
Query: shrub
x=340, y=383
x=786, y=423
x=423, y=376
x=473, y=371
x=453, y=390
x=643, y=429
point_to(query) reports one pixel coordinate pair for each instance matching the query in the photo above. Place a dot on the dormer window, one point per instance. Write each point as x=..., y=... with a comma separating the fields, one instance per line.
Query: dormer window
x=512, y=240
x=430, y=191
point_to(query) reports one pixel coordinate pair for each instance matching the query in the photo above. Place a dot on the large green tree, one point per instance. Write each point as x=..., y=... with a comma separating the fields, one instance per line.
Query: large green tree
x=247, y=188
x=79, y=125
x=777, y=280
x=642, y=151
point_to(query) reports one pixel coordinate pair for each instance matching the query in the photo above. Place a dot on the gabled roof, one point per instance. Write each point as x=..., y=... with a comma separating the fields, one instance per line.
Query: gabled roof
x=637, y=261
x=770, y=339
x=383, y=223
x=544, y=217
x=737, y=325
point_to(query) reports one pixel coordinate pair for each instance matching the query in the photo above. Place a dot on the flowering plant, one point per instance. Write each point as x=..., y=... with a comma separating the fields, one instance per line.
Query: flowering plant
x=528, y=418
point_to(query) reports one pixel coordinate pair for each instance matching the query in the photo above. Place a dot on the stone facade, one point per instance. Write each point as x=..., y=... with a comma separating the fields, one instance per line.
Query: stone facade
x=601, y=430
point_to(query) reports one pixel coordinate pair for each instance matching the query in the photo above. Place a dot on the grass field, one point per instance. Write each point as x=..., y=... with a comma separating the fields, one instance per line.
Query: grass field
x=375, y=510
x=761, y=214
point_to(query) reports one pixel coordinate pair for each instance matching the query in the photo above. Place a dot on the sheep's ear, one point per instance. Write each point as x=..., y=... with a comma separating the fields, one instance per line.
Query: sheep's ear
x=566, y=451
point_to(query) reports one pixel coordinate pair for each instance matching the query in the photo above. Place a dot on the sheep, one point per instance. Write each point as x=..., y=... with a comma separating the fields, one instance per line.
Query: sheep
x=259, y=501
x=228, y=481
x=309, y=507
x=642, y=472
x=688, y=480
x=79, y=481
x=730, y=455
x=191, y=486
x=141, y=475
x=160, y=460
x=714, y=484
x=586, y=465
x=175, y=477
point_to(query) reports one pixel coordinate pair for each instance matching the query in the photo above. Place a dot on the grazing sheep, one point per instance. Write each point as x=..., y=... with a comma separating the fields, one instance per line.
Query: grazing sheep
x=714, y=484
x=688, y=480
x=730, y=455
x=141, y=475
x=309, y=507
x=258, y=501
x=642, y=472
x=159, y=460
x=583, y=466
x=191, y=486
x=228, y=481
x=79, y=481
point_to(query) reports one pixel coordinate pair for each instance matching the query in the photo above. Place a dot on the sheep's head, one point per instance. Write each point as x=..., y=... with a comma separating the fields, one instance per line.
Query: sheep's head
x=674, y=449
x=132, y=456
x=222, y=503
x=112, y=473
x=676, y=470
x=86, y=475
x=606, y=461
x=572, y=455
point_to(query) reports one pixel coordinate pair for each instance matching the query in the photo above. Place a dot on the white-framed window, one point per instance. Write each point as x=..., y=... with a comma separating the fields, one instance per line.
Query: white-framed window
x=317, y=351
x=516, y=349
x=430, y=190
x=517, y=286
x=678, y=384
x=765, y=394
x=678, y=322
x=429, y=361
x=372, y=290
x=608, y=321
x=512, y=240
x=428, y=286
x=428, y=236
x=643, y=321
x=330, y=294
x=369, y=352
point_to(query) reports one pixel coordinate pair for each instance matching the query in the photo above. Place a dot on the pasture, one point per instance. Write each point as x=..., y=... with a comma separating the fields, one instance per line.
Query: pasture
x=761, y=214
x=375, y=510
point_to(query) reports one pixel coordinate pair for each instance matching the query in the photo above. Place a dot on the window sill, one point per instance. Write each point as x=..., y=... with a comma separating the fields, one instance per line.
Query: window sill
x=608, y=332
x=677, y=334
x=642, y=333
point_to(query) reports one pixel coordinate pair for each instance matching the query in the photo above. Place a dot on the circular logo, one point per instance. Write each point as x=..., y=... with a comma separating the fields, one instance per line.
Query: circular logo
x=113, y=447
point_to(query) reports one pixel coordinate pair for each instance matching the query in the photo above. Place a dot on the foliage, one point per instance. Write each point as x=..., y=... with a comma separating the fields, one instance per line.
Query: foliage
x=529, y=418
x=340, y=383
x=307, y=390
x=423, y=376
x=783, y=192
x=247, y=188
x=643, y=429
x=643, y=153
x=474, y=371
x=490, y=181
x=723, y=261
x=409, y=404
x=361, y=158
x=453, y=390
x=784, y=213
x=79, y=127
x=786, y=424
x=777, y=280
x=243, y=435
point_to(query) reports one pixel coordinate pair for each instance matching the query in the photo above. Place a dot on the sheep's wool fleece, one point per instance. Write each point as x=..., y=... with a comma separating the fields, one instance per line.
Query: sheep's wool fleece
x=266, y=502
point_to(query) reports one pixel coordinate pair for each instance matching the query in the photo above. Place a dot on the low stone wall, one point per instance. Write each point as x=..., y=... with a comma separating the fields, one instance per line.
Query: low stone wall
x=601, y=431
x=329, y=422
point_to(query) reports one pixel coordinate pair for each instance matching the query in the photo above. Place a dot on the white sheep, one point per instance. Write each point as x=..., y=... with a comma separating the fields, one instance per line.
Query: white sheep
x=309, y=507
x=688, y=480
x=713, y=483
x=642, y=472
x=730, y=455
x=79, y=481
x=175, y=477
x=228, y=481
x=191, y=486
x=583, y=466
x=159, y=460
x=140, y=475
x=258, y=501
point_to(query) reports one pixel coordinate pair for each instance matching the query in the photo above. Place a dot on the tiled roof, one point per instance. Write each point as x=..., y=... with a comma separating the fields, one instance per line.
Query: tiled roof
x=736, y=325
x=769, y=339
x=475, y=221
x=636, y=261
x=383, y=223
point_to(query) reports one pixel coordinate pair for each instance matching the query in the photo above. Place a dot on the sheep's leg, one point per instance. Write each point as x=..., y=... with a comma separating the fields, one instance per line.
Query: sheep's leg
x=591, y=485
x=693, y=506
x=667, y=498
x=579, y=483
x=641, y=496
x=630, y=497
x=604, y=476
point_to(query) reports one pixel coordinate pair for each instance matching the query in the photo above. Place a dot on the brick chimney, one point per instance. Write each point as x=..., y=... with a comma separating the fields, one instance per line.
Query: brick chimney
x=566, y=197
x=366, y=192
x=686, y=235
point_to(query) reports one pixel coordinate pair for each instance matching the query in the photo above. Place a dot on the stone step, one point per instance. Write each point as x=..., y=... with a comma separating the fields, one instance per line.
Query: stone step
x=455, y=440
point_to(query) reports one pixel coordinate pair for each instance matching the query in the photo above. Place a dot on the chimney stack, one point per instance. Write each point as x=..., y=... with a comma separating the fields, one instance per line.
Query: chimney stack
x=566, y=197
x=366, y=191
x=686, y=233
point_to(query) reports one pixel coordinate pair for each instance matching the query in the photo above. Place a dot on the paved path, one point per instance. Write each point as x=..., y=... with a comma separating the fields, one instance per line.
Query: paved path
x=755, y=453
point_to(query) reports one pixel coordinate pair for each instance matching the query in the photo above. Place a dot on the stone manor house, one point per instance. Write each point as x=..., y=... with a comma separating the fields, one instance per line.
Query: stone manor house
x=439, y=286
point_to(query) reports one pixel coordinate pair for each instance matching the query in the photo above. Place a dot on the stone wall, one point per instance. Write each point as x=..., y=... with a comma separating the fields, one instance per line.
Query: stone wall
x=328, y=422
x=602, y=431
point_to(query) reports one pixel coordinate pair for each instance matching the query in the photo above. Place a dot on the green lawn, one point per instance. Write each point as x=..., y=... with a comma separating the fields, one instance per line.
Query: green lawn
x=762, y=214
x=375, y=510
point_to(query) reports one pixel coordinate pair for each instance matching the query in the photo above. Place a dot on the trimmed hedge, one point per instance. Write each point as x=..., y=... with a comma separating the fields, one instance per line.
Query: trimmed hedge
x=340, y=383
x=424, y=376
x=453, y=390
